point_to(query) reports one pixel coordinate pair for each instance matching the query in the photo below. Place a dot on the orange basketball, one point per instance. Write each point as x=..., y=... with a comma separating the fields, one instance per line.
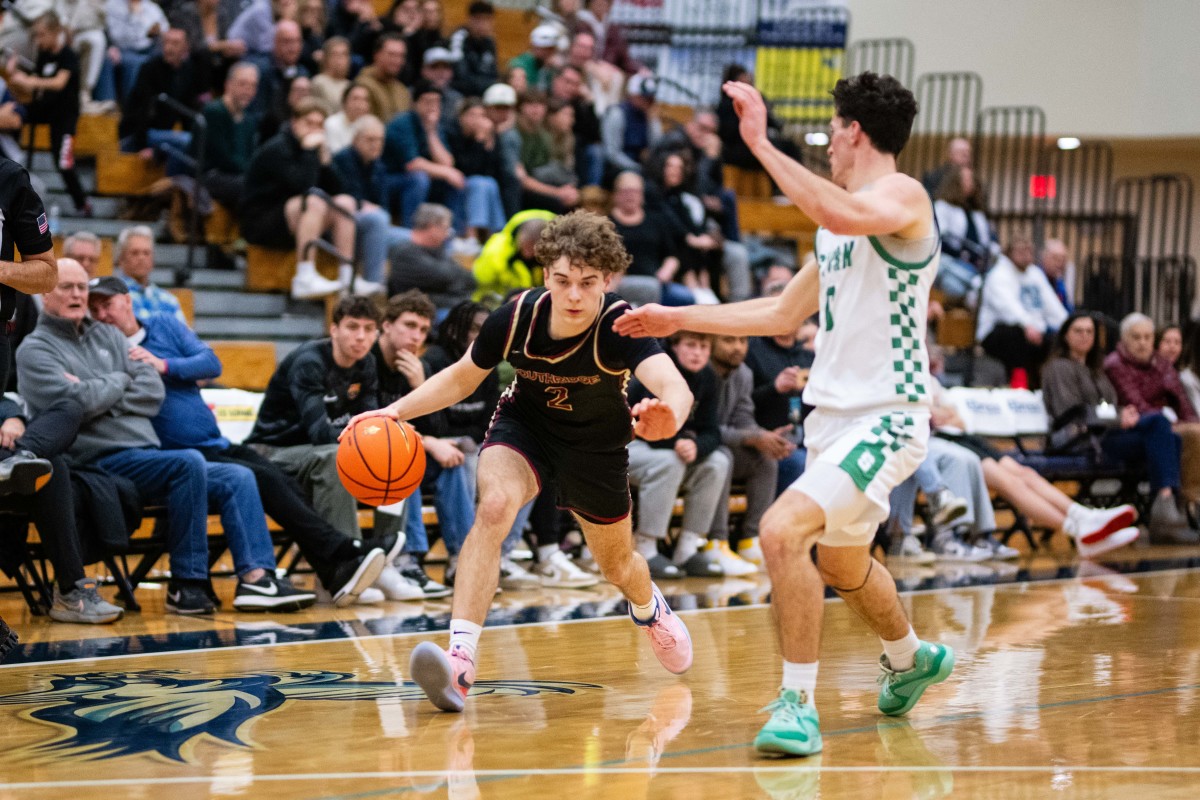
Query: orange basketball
x=381, y=461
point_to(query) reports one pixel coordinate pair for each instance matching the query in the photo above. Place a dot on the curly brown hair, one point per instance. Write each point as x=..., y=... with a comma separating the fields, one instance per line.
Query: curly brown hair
x=585, y=240
x=413, y=300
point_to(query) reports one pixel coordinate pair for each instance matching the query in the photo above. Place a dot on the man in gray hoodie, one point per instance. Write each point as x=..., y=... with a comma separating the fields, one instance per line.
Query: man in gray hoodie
x=70, y=355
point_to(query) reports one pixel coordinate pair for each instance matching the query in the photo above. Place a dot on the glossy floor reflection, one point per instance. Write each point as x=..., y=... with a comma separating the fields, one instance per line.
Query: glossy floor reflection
x=1085, y=686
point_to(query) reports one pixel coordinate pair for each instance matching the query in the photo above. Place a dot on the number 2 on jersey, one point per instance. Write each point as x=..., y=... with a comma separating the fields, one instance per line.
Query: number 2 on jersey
x=558, y=398
x=829, y=292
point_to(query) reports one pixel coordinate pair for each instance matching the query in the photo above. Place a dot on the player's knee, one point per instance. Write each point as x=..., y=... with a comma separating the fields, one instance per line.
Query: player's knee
x=496, y=508
x=781, y=534
x=845, y=574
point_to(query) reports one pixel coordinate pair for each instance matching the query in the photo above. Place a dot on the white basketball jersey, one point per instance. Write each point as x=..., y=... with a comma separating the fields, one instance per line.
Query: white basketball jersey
x=874, y=306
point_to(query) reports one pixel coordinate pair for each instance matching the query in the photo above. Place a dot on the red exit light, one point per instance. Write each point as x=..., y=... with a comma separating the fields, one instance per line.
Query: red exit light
x=1042, y=187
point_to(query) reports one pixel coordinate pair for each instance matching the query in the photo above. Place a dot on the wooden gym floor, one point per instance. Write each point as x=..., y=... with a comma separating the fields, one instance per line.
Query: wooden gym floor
x=1069, y=684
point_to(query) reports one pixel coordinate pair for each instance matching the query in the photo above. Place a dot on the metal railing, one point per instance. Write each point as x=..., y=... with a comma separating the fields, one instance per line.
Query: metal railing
x=949, y=104
x=894, y=57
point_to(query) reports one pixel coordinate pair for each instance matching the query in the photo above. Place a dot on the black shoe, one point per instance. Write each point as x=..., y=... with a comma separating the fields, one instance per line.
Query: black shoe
x=270, y=593
x=352, y=575
x=8, y=640
x=24, y=473
x=188, y=598
x=662, y=569
x=390, y=543
x=428, y=587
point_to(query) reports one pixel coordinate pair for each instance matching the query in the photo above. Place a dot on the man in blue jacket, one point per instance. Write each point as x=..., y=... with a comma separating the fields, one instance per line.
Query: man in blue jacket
x=184, y=421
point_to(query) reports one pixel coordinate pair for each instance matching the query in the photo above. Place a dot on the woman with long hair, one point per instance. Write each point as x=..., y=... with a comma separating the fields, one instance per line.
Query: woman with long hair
x=1189, y=363
x=968, y=240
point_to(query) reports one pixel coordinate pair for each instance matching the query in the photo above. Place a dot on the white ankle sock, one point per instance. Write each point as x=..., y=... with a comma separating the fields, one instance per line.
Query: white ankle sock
x=465, y=634
x=644, y=613
x=801, y=678
x=688, y=545
x=900, y=652
x=546, y=551
x=646, y=545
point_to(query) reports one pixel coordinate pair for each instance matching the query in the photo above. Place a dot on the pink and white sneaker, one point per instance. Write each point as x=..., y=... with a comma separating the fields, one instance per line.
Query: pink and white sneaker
x=669, y=637
x=444, y=675
x=1110, y=541
x=1097, y=524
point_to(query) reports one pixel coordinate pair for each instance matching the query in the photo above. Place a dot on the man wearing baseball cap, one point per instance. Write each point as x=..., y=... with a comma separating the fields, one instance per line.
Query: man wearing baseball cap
x=438, y=69
x=542, y=58
x=630, y=129
x=500, y=103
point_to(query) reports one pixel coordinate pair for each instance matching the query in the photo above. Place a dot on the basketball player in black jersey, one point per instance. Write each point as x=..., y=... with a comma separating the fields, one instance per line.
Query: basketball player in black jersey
x=564, y=419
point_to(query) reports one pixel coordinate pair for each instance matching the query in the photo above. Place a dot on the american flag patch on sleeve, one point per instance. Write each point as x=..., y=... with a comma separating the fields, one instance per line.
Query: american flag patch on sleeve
x=43, y=225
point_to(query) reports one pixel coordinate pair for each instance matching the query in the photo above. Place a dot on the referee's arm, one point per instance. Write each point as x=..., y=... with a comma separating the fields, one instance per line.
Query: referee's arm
x=36, y=274
x=26, y=227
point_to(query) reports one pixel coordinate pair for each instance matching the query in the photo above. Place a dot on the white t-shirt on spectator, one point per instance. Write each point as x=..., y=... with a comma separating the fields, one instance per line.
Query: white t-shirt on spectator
x=1013, y=297
x=337, y=132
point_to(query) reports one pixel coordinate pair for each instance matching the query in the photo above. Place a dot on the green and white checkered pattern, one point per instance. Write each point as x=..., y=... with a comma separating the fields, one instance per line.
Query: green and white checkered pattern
x=888, y=436
x=907, y=349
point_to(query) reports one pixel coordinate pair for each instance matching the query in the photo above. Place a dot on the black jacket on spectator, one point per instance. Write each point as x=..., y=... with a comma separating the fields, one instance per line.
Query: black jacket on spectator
x=472, y=415
x=393, y=385
x=703, y=423
x=650, y=243
x=142, y=113
x=281, y=169
x=710, y=176
x=477, y=68
x=766, y=359
x=360, y=180
x=310, y=398
x=230, y=144
x=472, y=157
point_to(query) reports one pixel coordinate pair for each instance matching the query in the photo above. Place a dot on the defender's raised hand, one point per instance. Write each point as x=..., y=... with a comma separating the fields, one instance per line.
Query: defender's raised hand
x=751, y=110
x=649, y=320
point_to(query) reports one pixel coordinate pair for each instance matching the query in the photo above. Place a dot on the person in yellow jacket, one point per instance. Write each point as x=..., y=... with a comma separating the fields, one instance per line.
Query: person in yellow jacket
x=507, y=261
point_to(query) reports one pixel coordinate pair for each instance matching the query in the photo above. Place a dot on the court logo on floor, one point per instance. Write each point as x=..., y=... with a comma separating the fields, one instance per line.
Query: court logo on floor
x=165, y=713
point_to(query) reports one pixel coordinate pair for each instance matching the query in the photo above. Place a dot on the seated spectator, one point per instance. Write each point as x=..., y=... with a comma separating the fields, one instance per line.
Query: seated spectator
x=779, y=367
x=422, y=264
x=344, y=566
x=438, y=69
x=754, y=453
x=1168, y=345
x=629, y=130
x=207, y=32
x=84, y=23
x=705, y=257
x=232, y=135
x=1149, y=384
x=698, y=136
x=1189, y=365
x=427, y=36
x=314, y=392
x=569, y=87
x=507, y=262
x=545, y=183
x=692, y=461
x=363, y=177
x=611, y=43
x=277, y=211
x=419, y=163
x=1080, y=399
x=968, y=240
x=133, y=30
x=387, y=95
x=1018, y=313
x=478, y=209
x=603, y=82
x=254, y=25
x=134, y=254
x=297, y=91
x=406, y=323
x=70, y=355
x=83, y=247
x=404, y=18
x=148, y=126
x=12, y=120
x=281, y=70
x=330, y=84
x=1060, y=271
x=311, y=18
x=958, y=154
x=50, y=93
x=474, y=48
x=500, y=102
x=355, y=21
x=650, y=237
x=541, y=59
x=356, y=104
x=16, y=35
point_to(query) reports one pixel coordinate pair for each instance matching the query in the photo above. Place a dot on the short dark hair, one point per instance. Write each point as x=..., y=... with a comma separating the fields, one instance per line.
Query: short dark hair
x=468, y=104
x=882, y=107
x=585, y=240
x=390, y=36
x=356, y=308
x=307, y=106
x=422, y=88
x=351, y=88
x=535, y=96
x=414, y=301
x=481, y=9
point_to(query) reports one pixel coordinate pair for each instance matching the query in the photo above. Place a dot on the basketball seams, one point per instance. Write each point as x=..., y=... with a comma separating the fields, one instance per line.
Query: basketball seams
x=362, y=477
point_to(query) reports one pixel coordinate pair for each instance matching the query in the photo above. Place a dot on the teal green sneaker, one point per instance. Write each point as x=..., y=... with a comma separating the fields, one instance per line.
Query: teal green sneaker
x=900, y=691
x=793, y=729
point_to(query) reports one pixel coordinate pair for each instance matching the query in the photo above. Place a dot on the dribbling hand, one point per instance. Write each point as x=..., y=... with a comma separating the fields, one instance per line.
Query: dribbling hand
x=387, y=411
x=653, y=420
x=649, y=320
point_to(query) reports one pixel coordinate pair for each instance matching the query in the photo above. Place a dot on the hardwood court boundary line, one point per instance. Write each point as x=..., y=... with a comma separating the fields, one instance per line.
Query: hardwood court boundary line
x=1022, y=585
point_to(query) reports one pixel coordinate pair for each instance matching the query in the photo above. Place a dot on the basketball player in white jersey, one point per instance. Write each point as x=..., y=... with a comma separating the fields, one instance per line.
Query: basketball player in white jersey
x=876, y=258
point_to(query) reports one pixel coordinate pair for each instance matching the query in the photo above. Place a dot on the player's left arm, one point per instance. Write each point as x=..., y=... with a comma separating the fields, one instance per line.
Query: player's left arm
x=661, y=418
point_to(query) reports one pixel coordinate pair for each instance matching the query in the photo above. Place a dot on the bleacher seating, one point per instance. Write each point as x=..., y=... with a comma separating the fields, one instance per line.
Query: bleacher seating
x=120, y=173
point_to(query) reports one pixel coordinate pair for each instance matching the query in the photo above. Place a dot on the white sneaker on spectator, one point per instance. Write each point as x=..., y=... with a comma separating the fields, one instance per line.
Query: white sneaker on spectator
x=395, y=587
x=731, y=564
x=948, y=547
x=945, y=507
x=466, y=246
x=1000, y=550
x=748, y=550
x=514, y=576
x=307, y=284
x=912, y=551
x=370, y=596
x=560, y=572
x=1113, y=541
x=366, y=288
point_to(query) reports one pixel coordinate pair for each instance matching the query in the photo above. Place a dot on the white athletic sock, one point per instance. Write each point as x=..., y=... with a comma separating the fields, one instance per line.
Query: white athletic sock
x=646, y=545
x=900, y=653
x=465, y=634
x=545, y=552
x=688, y=545
x=801, y=678
x=644, y=613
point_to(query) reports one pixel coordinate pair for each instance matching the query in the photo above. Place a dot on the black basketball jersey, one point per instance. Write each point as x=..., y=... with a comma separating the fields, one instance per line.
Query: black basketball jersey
x=572, y=390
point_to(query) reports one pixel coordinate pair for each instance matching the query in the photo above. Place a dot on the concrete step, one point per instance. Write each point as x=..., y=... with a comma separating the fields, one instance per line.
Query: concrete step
x=275, y=329
x=169, y=256
x=243, y=304
x=105, y=208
